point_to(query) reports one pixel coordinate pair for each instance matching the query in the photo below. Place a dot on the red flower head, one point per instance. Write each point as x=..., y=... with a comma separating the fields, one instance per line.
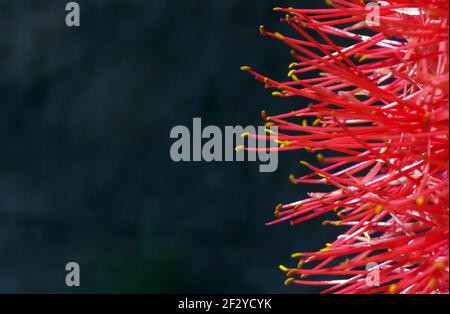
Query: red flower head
x=378, y=124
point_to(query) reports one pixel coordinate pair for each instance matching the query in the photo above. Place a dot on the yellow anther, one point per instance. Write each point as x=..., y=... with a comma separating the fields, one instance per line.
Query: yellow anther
x=284, y=143
x=278, y=207
x=264, y=115
x=293, y=179
x=325, y=249
x=329, y=244
x=363, y=58
x=277, y=9
x=288, y=281
x=329, y=2
x=276, y=94
x=420, y=200
x=245, y=134
x=277, y=211
x=304, y=163
x=338, y=223
x=262, y=30
x=426, y=118
x=340, y=215
x=291, y=272
x=293, y=64
x=296, y=255
x=283, y=268
x=291, y=72
x=268, y=124
x=268, y=131
x=326, y=222
x=316, y=122
x=295, y=77
x=279, y=36
x=309, y=149
x=323, y=73
x=300, y=204
x=320, y=158
x=245, y=68
x=432, y=283
x=239, y=148
x=305, y=123
x=440, y=265
x=379, y=208
x=300, y=264
x=346, y=262
x=393, y=288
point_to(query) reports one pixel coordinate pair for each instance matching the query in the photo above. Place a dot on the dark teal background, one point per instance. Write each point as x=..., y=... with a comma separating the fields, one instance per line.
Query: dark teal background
x=85, y=171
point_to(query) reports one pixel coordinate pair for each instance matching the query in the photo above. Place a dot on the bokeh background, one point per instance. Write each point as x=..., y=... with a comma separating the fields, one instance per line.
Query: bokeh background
x=85, y=171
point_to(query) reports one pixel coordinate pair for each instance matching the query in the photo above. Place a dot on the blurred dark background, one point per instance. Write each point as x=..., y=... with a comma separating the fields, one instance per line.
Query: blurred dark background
x=85, y=171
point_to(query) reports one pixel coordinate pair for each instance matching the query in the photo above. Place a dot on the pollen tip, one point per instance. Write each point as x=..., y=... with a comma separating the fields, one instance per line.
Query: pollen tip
x=264, y=115
x=393, y=288
x=239, y=148
x=276, y=94
x=316, y=122
x=363, y=58
x=321, y=158
x=245, y=68
x=420, y=201
x=288, y=281
x=432, y=283
x=291, y=272
x=283, y=268
x=379, y=208
x=262, y=30
x=440, y=265
x=279, y=35
x=277, y=211
x=296, y=255
x=293, y=179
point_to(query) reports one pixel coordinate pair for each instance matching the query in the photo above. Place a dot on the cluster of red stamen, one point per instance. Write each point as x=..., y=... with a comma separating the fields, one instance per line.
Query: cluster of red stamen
x=378, y=122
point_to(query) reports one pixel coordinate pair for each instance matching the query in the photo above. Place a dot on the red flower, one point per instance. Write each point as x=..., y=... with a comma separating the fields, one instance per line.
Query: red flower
x=378, y=122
